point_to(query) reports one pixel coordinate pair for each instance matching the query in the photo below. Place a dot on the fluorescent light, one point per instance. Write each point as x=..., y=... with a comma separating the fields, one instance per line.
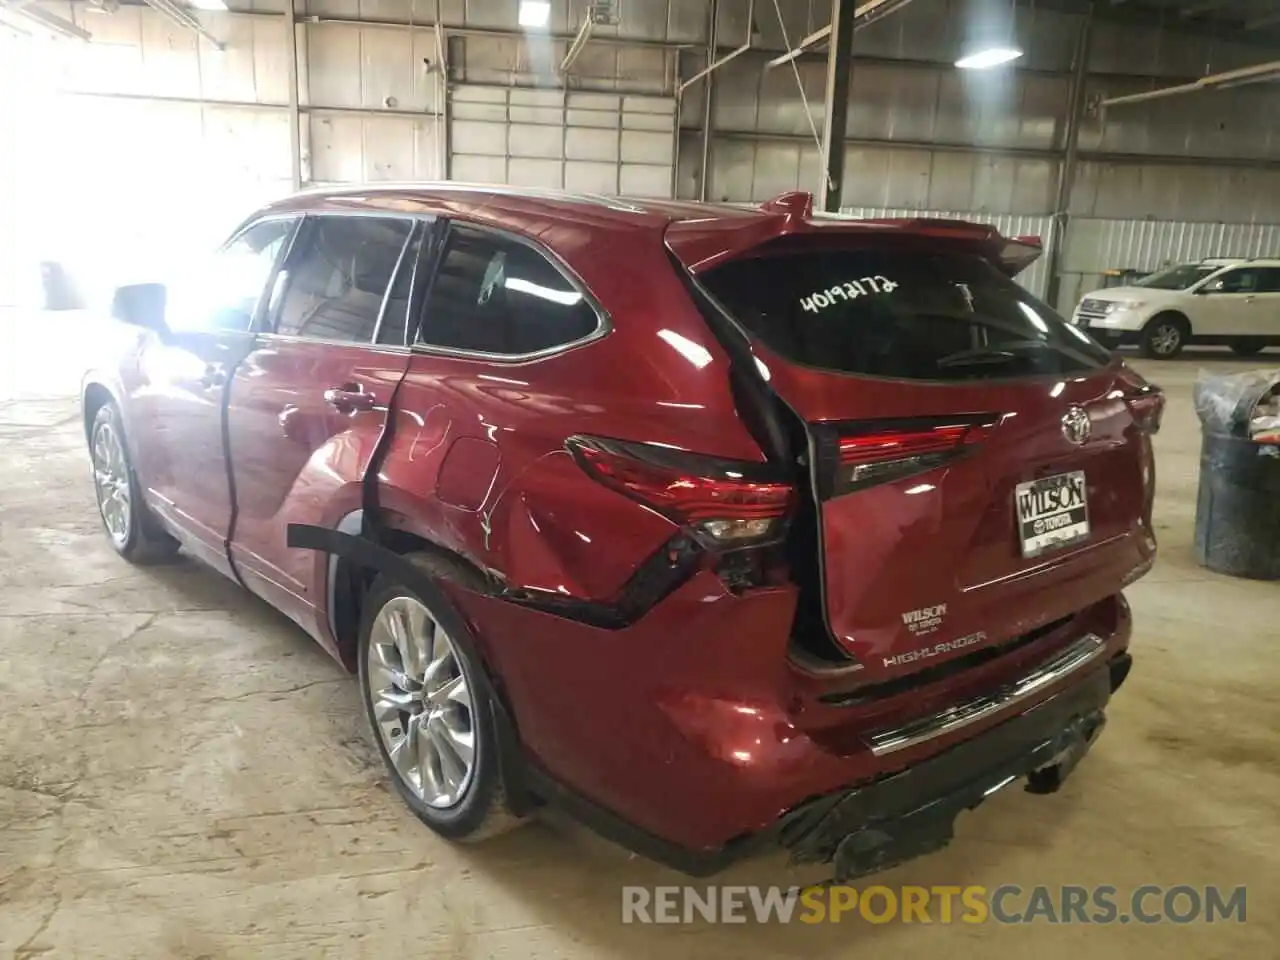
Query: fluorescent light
x=990, y=57
x=208, y=4
x=535, y=13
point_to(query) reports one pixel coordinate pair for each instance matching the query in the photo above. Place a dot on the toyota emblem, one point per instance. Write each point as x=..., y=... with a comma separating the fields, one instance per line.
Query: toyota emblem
x=1076, y=426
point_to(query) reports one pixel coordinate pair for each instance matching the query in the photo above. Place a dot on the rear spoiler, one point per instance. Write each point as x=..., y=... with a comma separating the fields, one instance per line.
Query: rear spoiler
x=705, y=243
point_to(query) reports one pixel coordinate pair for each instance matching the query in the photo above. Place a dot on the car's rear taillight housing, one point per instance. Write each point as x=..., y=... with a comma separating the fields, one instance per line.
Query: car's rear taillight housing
x=873, y=453
x=1147, y=408
x=1144, y=400
x=726, y=502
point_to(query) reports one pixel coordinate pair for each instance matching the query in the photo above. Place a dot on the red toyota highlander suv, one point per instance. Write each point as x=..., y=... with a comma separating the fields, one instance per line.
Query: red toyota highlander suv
x=719, y=527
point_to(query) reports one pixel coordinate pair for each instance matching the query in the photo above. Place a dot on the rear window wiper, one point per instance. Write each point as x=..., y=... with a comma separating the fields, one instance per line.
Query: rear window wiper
x=1001, y=353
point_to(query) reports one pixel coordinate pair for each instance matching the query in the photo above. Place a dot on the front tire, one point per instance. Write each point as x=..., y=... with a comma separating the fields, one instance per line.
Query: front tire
x=428, y=705
x=1164, y=336
x=132, y=530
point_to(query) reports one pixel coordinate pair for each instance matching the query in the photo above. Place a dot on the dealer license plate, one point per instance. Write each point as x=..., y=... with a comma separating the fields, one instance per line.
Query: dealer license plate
x=1052, y=512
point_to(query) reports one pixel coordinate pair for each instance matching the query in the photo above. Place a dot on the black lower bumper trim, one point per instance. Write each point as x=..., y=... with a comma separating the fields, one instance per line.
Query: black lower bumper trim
x=912, y=812
x=901, y=816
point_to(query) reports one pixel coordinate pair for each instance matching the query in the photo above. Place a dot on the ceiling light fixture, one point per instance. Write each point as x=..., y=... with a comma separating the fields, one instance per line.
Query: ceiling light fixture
x=208, y=4
x=990, y=57
x=535, y=13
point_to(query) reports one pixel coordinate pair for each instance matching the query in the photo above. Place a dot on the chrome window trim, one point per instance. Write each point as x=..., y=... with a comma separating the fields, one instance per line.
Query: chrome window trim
x=604, y=323
x=333, y=342
x=1077, y=655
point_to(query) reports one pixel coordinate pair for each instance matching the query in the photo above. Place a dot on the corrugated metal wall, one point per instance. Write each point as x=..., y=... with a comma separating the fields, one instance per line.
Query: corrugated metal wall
x=923, y=137
x=1035, y=278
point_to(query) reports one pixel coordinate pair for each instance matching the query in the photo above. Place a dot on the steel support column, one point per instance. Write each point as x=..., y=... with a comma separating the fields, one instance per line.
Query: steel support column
x=1067, y=166
x=295, y=112
x=708, y=91
x=844, y=14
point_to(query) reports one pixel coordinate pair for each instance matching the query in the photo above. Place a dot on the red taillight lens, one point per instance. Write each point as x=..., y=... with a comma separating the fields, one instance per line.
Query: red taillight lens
x=875, y=455
x=1148, y=410
x=731, y=502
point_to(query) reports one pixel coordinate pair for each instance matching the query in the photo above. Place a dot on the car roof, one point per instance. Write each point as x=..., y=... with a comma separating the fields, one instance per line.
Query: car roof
x=700, y=234
x=1239, y=261
x=481, y=202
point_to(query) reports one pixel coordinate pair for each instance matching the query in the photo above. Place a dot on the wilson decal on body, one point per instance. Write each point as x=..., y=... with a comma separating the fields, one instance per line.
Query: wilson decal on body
x=925, y=620
x=851, y=290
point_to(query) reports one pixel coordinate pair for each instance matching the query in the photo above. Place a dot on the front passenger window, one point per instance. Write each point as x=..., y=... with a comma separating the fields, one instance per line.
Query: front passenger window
x=1236, y=281
x=222, y=295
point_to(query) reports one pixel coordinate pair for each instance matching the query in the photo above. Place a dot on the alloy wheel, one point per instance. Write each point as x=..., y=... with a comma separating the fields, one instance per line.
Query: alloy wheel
x=111, y=482
x=421, y=700
x=1165, y=339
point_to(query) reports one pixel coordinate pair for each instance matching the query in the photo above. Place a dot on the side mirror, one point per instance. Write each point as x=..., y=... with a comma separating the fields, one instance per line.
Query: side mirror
x=141, y=304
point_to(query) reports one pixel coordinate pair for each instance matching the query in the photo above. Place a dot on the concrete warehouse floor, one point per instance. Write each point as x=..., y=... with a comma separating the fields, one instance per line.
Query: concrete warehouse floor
x=183, y=774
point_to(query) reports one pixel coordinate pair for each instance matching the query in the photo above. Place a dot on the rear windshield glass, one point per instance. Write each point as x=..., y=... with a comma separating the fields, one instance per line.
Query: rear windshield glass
x=905, y=314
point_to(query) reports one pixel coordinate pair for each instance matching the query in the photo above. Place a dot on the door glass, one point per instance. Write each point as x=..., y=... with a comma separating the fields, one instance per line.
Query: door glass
x=395, y=316
x=222, y=294
x=1237, y=281
x=338, y=272
x=1270, y=280
x=498, y=296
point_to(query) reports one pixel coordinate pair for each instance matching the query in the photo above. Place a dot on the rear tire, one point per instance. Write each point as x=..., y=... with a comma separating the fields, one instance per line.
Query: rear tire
x=427, y=701
x=131, y=528
x=1164, y=336
x=1247, y=348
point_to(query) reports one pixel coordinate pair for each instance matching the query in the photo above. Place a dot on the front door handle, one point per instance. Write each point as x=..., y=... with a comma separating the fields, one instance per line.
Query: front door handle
x=1249, y=299
x=348, y=398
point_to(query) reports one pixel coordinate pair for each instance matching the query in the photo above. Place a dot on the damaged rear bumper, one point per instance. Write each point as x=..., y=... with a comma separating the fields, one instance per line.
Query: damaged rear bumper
x=913, y=812
x=871, y=827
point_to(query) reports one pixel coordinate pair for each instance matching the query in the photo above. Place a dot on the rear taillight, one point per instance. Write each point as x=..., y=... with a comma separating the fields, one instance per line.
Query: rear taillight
x=876, y=454
x=728, y=502
x=1147, y=408
x=1144, y=400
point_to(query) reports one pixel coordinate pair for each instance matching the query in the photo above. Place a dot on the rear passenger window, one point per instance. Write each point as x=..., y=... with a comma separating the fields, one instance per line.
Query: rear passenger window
x=338, y=272
x=496, y=295
x=1270, y=282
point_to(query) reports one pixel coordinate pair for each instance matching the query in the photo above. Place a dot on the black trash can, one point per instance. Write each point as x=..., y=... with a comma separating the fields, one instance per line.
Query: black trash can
x=1238, y=507
x=1238, y=503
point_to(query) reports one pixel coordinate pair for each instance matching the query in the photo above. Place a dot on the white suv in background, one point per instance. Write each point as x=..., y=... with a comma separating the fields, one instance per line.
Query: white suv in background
x=1231, y=302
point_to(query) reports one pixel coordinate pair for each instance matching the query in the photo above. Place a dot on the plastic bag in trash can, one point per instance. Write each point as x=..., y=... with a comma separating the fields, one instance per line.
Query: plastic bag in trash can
x=1242, y=404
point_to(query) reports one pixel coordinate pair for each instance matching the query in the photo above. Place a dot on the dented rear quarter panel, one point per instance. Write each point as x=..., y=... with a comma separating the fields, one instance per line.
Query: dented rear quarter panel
x=657, y=375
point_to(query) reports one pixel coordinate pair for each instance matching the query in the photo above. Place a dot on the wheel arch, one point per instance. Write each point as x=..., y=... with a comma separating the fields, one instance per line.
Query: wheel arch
x=1171, y=313
x=94, y=395
x=348, y=581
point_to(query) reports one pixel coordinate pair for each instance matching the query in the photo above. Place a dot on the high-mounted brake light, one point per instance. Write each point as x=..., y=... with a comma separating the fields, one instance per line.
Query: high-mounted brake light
x=875, y=455
x=731, y=503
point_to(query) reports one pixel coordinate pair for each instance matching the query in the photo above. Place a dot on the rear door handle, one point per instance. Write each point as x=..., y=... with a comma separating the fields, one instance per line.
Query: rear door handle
x=348, y=398
x=1249, y=299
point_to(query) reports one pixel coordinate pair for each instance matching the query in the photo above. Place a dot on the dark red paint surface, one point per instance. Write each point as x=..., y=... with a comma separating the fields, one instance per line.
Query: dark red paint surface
x=693, y=722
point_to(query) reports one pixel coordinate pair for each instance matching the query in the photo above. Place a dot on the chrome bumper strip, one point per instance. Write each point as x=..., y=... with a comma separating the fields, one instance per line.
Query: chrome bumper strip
x=1075, y=656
